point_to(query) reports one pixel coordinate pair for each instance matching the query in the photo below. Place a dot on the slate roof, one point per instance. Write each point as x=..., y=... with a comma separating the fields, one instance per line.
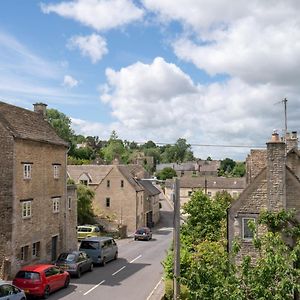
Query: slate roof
x=212, y=182
x=130, y=172
x=151, y=189
x=98, y=172
x=25, y=124
x=205, y=166
x=95, y=172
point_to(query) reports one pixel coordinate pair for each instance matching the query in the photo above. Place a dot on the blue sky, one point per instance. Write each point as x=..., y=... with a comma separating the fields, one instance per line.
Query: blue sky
x=157, y=70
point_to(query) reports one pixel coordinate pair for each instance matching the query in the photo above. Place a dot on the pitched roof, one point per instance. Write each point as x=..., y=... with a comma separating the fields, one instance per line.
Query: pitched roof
x=130, y=172
x=202, y=165
x=25, y=124
x=212, y=182
x=151, y=189
x=95, y=172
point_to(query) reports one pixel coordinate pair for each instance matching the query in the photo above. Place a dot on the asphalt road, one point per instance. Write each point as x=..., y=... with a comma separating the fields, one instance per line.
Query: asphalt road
x=134, y=275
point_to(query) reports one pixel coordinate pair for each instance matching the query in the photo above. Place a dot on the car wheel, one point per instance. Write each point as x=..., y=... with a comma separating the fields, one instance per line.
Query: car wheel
x=116, y=255
x=78, y=273
x=67, y=282
x=23, y=298
x=103, y=262
x=46, y=292
x=91, y=267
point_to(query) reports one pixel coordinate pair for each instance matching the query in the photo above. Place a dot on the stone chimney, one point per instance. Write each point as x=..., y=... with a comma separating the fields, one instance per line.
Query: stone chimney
x=276, y=173
x=291, y=140
x=40, y=108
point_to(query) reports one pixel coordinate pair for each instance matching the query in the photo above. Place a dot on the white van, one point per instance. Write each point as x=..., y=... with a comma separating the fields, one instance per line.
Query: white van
x=100, y=249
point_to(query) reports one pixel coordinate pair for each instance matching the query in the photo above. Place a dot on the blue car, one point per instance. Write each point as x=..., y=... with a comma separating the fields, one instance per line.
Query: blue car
x=11, y=292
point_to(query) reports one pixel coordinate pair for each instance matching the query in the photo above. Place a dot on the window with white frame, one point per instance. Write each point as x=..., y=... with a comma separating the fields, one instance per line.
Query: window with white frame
x=36, y=249
x=24, y=253
x=26, y=209
x=27, y=171
x=55, y=204
x=69, y=203
x=56, y=171
x=247, y=234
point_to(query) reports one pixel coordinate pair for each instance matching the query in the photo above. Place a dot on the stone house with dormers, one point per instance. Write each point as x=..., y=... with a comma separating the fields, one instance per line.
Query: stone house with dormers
x=273, y=183
x=193, y=168
x=119, y=193
x=37, y=219
x=209, y=184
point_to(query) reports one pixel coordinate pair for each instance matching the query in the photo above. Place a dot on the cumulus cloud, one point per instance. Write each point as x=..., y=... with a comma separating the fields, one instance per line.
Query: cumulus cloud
x=69, y=81
x=97, y=14
x=160, y=100
x=255, y=41
x=93, y=46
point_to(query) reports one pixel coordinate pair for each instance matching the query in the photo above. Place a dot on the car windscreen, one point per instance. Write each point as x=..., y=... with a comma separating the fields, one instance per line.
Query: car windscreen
x=141, y=231
x=67, y=257
x=28, y=275
x=84, y=229
x=89, y=245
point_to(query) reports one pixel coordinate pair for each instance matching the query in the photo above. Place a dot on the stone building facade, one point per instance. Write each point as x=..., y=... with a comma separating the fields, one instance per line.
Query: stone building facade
x=273, y=184
x=209, y=184
x=33, y=207
x=119, y=194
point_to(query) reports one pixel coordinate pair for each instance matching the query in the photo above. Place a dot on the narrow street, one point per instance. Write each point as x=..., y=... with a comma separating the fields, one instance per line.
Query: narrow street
x=134, y=275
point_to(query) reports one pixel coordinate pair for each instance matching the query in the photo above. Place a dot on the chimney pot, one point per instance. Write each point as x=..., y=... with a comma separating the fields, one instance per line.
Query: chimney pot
x=40, y=108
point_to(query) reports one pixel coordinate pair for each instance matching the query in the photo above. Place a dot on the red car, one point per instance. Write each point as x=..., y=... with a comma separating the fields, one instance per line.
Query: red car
x=41, y=280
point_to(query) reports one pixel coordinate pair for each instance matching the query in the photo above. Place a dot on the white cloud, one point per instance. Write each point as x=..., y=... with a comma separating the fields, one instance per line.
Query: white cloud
x=93, y=46
x=256, y=41
x=159, y=101
x=97, y=14
x=69, y=81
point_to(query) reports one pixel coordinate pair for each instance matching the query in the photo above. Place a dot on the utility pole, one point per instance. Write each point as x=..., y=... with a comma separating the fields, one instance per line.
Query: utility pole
x=285, y=117
x=176, y=238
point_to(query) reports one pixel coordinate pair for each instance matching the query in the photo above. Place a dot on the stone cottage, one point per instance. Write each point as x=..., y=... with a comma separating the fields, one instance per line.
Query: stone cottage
x=119, y=193
x=37, y=219
x=273, y=183
x=209, y=184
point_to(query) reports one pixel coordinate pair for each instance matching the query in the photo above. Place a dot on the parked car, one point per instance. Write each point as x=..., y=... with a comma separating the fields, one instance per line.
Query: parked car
x=41, y=280
x=10, y=292
x=143, y=233
x=85, y=231
x=100, y=249
x=75, y=262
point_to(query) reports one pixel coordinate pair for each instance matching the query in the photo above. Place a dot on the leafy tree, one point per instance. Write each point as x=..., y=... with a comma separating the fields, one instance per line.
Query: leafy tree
x=166, y=173
x=115, y=149
x=206, y=217
x=239, y=169
x=149, y=144
x=84, y=204
x=61, y=124
x=226, y=166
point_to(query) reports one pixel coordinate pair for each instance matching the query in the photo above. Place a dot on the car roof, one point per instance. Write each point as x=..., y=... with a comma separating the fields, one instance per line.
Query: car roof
x=37, y=268
x=97, y=238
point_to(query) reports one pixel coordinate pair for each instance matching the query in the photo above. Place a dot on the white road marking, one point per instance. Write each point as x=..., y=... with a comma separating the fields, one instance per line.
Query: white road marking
x=118, y=271
x=93, y=288
x=154, y=289
x=135, y=258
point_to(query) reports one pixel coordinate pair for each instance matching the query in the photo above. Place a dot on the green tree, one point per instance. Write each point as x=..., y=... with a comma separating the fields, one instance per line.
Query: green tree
x=84, y=204
x=166, y=173
x=61, y=124
x=239, y=169
x=226, y=167
x=115, y=149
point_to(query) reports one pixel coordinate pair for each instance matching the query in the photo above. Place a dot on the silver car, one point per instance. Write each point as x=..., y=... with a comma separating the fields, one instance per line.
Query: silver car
x=10, y=292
